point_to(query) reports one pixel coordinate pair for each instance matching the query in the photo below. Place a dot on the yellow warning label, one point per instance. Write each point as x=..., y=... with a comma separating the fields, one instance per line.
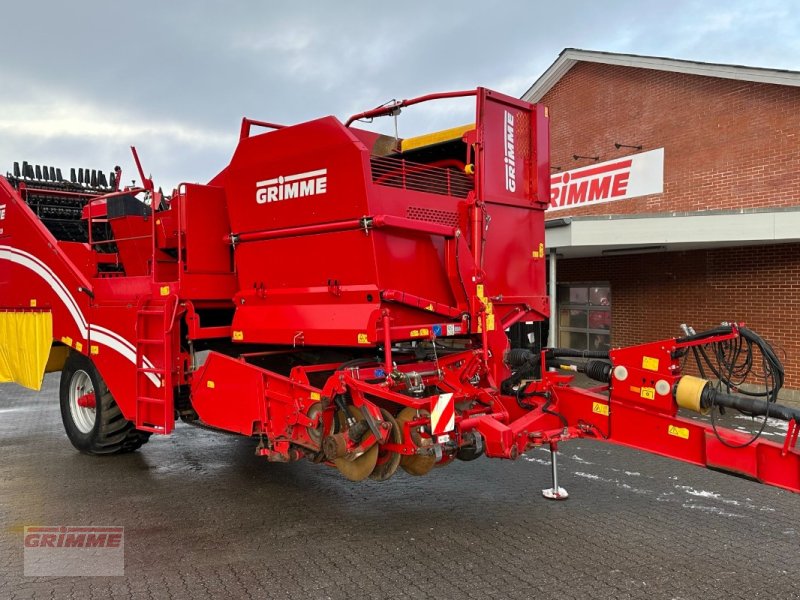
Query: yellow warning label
x=600, y=408
x=210, y=384
x=66, y=340
x=479, y=290
x=424, y=332
x=648, y=393
x=78, y=346
x=238, y=336
x=363, y=338
x=649, y=363
x=541, y=250
x=489, y=322
x=489, y=307
x=165, y=290
x=680, y=432
x=315, y=396
x=94, y=350
x=414, y=333
x=33, y=302
x=429, y=307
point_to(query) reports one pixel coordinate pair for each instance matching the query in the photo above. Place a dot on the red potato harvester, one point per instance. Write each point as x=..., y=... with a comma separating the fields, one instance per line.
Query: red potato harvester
x=343, y=296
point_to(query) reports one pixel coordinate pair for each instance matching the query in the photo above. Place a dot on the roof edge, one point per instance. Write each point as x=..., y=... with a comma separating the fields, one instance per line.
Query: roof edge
x=569, y=56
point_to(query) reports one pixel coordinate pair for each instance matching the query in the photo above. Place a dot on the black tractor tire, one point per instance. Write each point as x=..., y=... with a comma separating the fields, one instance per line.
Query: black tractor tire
x=111, y=432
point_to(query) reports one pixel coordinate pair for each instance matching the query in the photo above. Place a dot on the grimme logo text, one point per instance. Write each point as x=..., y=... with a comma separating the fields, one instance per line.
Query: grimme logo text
x=508, y=152
x=310, y=183
x=73, y=537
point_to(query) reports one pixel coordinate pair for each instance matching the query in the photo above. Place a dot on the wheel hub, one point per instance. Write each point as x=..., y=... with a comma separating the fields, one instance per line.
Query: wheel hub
x=82, y=401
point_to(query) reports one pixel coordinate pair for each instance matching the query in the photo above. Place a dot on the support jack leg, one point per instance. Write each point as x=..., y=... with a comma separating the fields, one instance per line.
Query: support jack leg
x=555, y=492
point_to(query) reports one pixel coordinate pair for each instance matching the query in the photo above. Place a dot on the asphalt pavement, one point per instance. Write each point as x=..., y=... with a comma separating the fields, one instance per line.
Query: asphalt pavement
x=205, y=518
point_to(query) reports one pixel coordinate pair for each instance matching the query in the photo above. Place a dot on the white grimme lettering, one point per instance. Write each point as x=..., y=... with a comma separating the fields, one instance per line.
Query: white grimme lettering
x=300, y=185
x=508, y=153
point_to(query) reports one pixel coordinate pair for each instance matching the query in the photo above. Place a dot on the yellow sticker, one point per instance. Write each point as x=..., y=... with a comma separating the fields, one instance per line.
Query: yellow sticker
x=158, y=221
x=33, y=303
x=648, y=393
x=489, y=322
x=165, y=290
x=67, y=340
x=363, y=338
x=424, y=332
x=429, y=307
x=315, y=396
x=680, y=432
x=600, y=408
x=94, y=350
x=541, y=249
x=489, y=308
x=210, y=384
x=238, y=336
x=479, y=290
x=414, y=333
x=649, y=363
x=78, y=346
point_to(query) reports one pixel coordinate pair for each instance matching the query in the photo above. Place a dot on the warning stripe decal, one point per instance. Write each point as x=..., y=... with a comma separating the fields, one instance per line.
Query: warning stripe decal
x=443, y=414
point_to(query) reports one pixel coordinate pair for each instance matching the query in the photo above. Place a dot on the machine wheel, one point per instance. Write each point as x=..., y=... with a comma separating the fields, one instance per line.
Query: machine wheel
x=388, y=461
x=361, y=467
x=92, y=419
x=415, y=464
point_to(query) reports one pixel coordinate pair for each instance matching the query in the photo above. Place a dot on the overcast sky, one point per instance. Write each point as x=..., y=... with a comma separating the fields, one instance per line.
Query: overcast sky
x=81, y=81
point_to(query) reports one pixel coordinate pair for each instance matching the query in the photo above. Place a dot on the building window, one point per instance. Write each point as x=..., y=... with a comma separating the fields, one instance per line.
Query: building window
x=584, y=316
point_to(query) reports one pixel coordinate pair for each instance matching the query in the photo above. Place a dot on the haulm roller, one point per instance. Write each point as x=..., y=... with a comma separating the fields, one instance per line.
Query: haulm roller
x=345, y=297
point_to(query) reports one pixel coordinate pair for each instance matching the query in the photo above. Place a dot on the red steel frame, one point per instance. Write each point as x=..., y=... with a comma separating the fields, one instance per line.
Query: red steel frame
x=394, y=279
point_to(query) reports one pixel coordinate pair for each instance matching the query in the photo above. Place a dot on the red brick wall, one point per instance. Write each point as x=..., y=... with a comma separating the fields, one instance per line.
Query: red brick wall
x=652, y=294
x=728, y=144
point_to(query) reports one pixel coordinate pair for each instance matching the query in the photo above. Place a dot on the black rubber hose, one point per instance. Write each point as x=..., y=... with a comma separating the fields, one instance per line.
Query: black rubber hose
x=570, y=353
x=598, y=370
x=722, y=330
x=546, y=409
x=751, y=406
x=519, y=357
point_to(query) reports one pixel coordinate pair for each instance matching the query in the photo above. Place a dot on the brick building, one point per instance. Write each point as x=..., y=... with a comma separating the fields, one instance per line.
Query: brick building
x=701, y=224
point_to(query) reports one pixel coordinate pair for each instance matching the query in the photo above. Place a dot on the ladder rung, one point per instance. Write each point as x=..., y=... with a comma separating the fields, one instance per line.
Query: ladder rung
x=152, y=428
x=150, y=400
x=155, y=370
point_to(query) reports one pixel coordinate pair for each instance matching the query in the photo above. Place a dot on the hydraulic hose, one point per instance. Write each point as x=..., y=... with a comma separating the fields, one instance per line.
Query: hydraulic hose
x=570, y=353
x=751, y=406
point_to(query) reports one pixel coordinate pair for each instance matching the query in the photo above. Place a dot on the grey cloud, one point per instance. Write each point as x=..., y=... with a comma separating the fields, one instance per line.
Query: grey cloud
x=182, y=67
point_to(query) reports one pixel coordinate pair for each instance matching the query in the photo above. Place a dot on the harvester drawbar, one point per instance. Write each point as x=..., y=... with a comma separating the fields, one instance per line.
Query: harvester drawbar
x=344, y=296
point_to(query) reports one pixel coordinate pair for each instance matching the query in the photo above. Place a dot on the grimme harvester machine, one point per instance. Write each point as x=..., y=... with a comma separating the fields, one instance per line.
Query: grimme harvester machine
x=343, y=296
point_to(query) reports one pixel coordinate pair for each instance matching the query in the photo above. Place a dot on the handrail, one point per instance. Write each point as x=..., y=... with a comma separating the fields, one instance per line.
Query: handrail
x=246, y=123
x=388, y=109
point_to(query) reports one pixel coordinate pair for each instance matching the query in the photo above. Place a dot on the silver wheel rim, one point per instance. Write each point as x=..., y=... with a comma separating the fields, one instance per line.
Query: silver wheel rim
x=83, y=416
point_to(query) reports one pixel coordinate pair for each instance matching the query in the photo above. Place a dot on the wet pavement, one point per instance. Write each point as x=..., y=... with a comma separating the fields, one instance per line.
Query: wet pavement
x=205, y=518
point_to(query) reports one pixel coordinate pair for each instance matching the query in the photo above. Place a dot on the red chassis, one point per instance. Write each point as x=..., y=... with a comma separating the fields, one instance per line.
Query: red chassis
x=342, y=296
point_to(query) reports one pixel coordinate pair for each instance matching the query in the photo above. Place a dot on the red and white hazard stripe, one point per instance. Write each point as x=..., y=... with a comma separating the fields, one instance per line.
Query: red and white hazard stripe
x=443, y=414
